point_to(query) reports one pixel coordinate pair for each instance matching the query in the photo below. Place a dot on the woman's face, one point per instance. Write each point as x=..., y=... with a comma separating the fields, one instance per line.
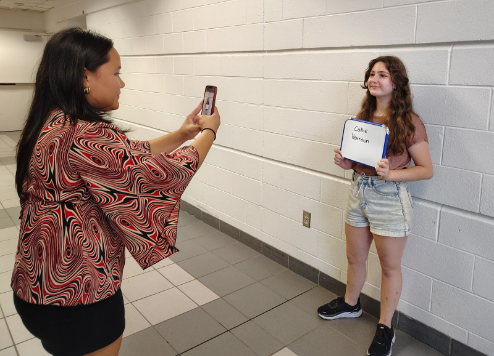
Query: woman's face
x=105, y=84
x=379, y=82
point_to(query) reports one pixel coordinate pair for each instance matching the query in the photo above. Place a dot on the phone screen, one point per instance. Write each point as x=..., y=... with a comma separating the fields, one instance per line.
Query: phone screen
x=209, y=100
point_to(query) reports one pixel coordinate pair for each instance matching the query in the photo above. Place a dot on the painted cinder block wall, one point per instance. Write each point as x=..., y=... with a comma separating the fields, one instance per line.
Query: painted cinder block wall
x=289, y=74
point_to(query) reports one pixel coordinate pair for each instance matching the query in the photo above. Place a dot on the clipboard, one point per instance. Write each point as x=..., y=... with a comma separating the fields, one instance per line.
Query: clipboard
x=364, y=142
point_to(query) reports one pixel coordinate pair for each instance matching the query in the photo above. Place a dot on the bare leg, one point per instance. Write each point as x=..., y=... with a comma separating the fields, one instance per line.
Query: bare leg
x=110, y=350
x=390, y=251
x=358, y=242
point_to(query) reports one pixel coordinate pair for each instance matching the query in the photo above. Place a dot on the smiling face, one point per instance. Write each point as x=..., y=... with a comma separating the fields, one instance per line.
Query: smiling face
x=379, y=82
x=105, y=84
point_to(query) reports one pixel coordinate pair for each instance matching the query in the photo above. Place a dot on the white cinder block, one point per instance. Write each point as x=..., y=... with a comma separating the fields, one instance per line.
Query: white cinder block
x=164, y=65
x=292, y=179
x=183, y=20
x=450, y=186
x=452, y=106
x=385, y=33
x=435, y=134
x=481, y=344
x=462, y=149
x=216, y=177
x=206, y=65
x=289, y=122
x=324, y=217
x=232, y=13
x=145, y=82
x=225, y=138
x=284, y=35
x=194, y=41
x=341, y=6
x=458, y=21
x=226, y=203
x=482, y=278
x=172, y=5
x=248, y=37
x=328, y=31
x=491, y=124
x=172, y=43
x=433, y=321
x=291, y=232
x=487, y=196
x=184, y=105
x=139, y=46
x=250, y=66
x=140, y=65
x=154, y=44
x=475, y=316
x=309, y=95
x=335, y=192
x=219, y=40
x=124, y=46
x=194, y=86
x=183, y=65
x=255, y=11
x=424, y=65
x=191, y=3
x=332, y=128
x=139, y=27
x=297, y=9
x=417, y=288
x=273, y=10
x=307, y=154
x=205, y=17
x=332, y=251
x=243, y=90
x=241, y=115
x=434, y=259
x=163, y=23
x=247, y=140
x=426, y=219
x=356, y=95
x=253, y=167
x=253, y=215
x=468, y=232
x=247, y=189
x=471, y=65
x=390, y=3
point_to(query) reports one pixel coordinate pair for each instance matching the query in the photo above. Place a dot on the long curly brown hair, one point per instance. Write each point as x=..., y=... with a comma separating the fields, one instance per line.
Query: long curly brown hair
x=398, y=116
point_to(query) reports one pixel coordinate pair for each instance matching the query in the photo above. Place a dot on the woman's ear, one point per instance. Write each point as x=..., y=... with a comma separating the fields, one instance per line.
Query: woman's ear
x=86, y=79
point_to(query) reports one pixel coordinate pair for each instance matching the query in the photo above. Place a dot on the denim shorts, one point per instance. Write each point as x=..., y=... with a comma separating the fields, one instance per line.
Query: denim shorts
x=384, y=206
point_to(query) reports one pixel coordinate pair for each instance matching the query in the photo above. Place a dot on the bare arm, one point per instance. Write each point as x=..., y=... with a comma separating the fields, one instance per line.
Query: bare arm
x=205, y=140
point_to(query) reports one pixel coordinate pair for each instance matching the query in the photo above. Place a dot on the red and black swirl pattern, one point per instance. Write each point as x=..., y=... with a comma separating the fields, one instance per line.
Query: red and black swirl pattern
x=92, y=193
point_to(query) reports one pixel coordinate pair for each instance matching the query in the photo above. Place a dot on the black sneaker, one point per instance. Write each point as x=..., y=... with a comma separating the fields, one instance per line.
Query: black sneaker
x=338, y=308
x=383, y=341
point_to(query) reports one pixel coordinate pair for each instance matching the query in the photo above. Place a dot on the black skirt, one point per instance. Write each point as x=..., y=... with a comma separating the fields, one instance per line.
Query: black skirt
x=74, y=331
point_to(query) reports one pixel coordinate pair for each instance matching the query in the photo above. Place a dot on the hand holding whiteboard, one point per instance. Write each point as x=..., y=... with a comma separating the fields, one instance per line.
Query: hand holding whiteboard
x=364, y=141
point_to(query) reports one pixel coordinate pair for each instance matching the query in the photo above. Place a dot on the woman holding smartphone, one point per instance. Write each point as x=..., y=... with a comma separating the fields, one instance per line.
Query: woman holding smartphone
x=87, y=193
x=379, y=205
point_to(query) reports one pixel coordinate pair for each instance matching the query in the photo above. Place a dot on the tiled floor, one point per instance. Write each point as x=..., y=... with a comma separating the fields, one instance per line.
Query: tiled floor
x=215, y=297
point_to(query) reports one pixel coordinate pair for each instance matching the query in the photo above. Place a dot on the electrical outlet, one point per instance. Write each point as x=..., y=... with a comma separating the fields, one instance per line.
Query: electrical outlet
x=306, y=219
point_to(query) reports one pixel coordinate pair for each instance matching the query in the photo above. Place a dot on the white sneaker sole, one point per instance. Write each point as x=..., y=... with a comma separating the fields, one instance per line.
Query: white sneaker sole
x=391, y=349
x=342, y=315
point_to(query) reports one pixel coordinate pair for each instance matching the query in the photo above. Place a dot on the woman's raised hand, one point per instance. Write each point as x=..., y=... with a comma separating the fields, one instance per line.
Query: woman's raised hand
x=340, y=161
x=209, y=122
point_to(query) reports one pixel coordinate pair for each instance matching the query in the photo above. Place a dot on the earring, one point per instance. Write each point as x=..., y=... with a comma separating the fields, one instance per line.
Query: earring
x=87, y=90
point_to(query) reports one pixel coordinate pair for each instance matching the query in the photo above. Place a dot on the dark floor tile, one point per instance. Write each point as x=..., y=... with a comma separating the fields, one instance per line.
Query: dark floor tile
x=224, y=345
x=14, y=212
x=405, y=345
x=260, y=267
x=360, y=330
x=202, y=265
x=211, y=220
x=6, y=222
x=304, y=270
x=190, y=329
x=215, y=240
x=230, y=230
x=3, y=213
x=313, y=299
x=187, y=249
x=196, y=229
x=254, y=300
x=14, y=135
x=286, y=323
x=425, y=333
x=146, y=343
x=459, y=349
x=226, y=281
x=288, y=284
x=257, y=339
x=250, y=241
x=224, y=313
x=235, y=253
x=324, y=341
x=275, y=254
x=8, y=160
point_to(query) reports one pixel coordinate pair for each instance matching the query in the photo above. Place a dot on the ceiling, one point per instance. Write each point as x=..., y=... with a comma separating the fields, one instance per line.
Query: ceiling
x=28, y=5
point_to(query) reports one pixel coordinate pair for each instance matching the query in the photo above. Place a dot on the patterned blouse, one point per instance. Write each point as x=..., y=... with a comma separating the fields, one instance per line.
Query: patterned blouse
x=92, y=193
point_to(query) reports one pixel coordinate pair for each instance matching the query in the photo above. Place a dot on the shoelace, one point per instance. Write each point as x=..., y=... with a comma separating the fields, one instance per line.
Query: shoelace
x=380, y=336
x=334, y=303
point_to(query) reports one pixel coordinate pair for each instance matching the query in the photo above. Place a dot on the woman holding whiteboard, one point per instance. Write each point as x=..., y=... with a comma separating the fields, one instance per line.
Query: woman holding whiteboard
x=379, y=205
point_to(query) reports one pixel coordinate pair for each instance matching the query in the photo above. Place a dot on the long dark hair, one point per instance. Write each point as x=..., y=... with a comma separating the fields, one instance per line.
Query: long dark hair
x=398, y=116
x=59, y=85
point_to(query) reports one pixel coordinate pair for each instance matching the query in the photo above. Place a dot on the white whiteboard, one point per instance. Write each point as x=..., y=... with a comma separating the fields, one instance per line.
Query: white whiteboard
x=364, y=142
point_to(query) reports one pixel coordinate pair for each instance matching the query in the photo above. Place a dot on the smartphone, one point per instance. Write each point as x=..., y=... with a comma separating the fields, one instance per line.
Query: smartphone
x=209, y=100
